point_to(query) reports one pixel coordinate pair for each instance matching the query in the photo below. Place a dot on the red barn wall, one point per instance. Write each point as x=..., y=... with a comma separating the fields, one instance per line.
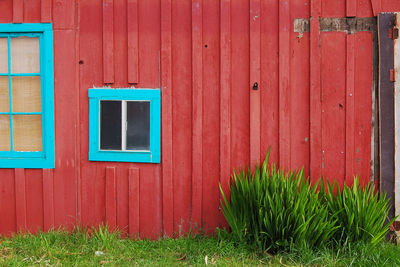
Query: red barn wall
x=205, y=55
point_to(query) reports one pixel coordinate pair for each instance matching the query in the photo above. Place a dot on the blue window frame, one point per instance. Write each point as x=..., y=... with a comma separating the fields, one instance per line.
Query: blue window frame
x=26, y=96
x=124, y=125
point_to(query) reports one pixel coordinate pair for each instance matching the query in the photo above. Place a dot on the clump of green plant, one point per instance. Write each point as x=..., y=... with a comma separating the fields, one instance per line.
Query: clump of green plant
x=359, y=212
x=276, y=210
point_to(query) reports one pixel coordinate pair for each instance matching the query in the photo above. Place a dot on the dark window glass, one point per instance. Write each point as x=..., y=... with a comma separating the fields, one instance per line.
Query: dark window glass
x=138, y=128
x=110, y=125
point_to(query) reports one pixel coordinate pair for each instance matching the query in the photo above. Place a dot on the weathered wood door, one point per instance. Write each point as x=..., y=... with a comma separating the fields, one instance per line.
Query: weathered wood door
x=397, y=110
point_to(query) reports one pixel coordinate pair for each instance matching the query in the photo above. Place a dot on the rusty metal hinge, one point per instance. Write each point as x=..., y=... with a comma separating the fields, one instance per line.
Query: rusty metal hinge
x=393, y=33
x=392, y=75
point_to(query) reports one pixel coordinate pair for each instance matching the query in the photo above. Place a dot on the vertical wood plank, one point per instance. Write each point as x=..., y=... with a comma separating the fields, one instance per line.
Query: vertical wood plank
x=182, y=51
x=134, y=198
x=365, y=109
x=386, y=107
x=45, y=7
x=20, y=199
x=315, y=93
x=197, y=113
x=64, y=14
x=350, y=83
x=284, y=93
x=48, y=199
x=90, y=50
x=111, y=198
x=65, y=173
x=18, y=11
x=269, y=95
x=376, y=6
x=166, y=90
x=78, y=123
x=133, y=41
x=108, y=41
x=225, y=97
x=255, y=67
x=7, y=202
x=351, y=8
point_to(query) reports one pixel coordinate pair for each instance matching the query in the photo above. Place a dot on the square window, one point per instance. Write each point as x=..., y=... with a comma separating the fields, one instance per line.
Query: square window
x=124, y=125
x=26, y=96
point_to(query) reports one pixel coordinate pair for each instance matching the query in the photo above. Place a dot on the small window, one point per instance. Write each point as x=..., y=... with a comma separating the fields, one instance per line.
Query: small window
x=26, y=96
x=124, y=125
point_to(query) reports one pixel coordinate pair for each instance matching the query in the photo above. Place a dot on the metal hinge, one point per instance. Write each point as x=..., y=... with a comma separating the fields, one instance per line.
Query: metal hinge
x=393, y=33
x=392, y=75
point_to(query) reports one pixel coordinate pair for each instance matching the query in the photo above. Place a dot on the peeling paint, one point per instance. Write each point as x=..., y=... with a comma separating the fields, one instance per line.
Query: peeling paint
x=348, y=25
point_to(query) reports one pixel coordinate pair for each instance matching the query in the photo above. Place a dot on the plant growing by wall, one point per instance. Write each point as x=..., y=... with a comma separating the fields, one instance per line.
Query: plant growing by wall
x=276, y=210
x=359, y=212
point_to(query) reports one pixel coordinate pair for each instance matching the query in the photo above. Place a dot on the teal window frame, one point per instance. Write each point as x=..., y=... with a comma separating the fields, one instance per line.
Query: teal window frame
x=129, y=94
x=46, y=157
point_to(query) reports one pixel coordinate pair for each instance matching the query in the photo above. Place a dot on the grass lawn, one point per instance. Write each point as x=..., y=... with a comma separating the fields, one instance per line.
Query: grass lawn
x=103, y=248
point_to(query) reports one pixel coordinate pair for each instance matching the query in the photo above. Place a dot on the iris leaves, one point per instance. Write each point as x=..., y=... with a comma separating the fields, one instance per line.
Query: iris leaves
x=277, y=210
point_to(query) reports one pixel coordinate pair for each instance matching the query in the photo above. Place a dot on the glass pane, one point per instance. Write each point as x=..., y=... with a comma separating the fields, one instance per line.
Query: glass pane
x=27, y=132
x=138, y=128
x=110, y=125
x=3, y=55
x=25, y=55
x=5, y=143
x=4, y=97
x=26, y=95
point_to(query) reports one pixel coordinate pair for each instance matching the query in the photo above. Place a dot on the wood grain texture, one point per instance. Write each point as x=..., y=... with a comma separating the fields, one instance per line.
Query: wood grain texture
x=269, y=94
x=166, y=117
x=211, y=107
x=108, y=41
x=133, y=41
x=18, y=11
x=350, y=118
x=376, y=6
x=111, y=198
x=315, y=93
x=225, y=98
x=45, y=10
x=197, y=113
x=365, y=141
x=182, y=114
x=65, y=98
x=397, y=117
x=284, y=78
x=255, y=35
x=351, y=8
x=64, y=14
x=48, y=199
x=20, y=199
x=386, y=107
x=333, y=84
x=134, y=204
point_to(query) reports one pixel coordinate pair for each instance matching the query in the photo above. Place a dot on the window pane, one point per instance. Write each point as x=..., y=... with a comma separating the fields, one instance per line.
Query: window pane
x=26, y=94
x=110, y=125
x=5, y=143
x=4, y=97
x=27, y=132
x=3, y=55
x=138, y=128
x=25, y=55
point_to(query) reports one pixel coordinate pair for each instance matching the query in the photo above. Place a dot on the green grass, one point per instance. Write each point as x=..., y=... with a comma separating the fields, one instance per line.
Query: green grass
x=79, y=249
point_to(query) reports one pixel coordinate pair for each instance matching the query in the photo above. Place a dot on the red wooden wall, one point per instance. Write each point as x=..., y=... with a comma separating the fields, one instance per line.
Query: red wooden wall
x=313, y=106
